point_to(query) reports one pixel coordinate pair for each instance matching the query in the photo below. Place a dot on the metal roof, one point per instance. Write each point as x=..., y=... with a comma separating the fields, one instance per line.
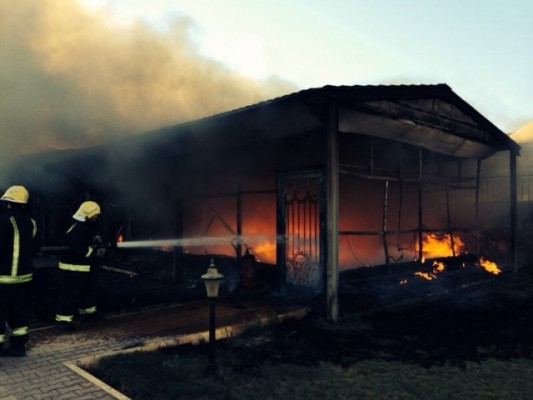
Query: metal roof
x=429, y=116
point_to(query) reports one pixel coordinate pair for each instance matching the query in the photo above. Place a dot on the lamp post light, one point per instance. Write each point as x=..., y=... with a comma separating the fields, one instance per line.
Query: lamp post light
x=212, y=280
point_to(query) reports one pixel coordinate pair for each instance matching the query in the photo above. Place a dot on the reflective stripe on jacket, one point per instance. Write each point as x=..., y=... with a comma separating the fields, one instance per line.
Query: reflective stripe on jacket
x=80, y=253
x=74, y=267
x=16, y=278
x=17, y=246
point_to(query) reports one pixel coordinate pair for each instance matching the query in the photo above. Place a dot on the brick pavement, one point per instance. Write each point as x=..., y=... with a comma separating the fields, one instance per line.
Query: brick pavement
x=50, y=370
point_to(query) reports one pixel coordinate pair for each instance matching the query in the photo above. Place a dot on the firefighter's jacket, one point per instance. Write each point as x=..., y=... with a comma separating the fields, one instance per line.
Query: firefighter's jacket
x=81, y=253
x=18, y=246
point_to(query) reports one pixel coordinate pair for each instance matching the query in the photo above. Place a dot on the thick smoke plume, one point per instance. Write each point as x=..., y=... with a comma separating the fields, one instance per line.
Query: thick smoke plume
x=72, y=78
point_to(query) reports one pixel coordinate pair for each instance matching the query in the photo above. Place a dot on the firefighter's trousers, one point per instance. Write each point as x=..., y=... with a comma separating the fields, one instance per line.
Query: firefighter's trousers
x=14, y=310
x=77, y=293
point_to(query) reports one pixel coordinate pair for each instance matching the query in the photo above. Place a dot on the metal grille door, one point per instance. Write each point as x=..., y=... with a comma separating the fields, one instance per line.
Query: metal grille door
x=301, y=206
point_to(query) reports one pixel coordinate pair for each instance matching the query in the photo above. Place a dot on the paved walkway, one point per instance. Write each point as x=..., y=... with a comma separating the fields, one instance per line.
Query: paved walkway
x=51, y=370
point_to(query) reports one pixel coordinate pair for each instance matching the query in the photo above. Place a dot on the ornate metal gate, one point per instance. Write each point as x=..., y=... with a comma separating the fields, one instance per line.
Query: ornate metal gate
x=300, y=219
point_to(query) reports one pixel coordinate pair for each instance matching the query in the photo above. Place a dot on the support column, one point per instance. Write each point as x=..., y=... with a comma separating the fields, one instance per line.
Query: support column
x=420, y=200
x=384, y=223
x=513, y=217
x=332, y=196
x=238, y=247
x=177, y=203
x=478, y=180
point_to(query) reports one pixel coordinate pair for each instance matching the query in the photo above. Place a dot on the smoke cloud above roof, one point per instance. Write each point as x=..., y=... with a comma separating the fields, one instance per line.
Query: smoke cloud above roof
x=72, y=78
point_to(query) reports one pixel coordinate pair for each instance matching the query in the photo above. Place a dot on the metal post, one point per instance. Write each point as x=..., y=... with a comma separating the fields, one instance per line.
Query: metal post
x=449, y=220
x=177, y=206
x=333, y=215
x=212, y=280
x=385, y=227
x=478, y=175
x=513, y=208
x=420, y=199
x=212, y=369
x=238, y=247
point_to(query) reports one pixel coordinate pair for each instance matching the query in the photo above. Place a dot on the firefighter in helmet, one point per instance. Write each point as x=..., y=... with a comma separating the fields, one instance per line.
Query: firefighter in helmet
x=18, y=245
x=79, y=268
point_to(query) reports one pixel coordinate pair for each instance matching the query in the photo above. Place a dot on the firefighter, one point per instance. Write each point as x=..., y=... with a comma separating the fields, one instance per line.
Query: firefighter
x=18, y=245
x=78, y=268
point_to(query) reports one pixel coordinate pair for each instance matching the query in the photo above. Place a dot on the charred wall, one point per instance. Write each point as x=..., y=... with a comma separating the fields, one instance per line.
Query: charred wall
x=195, y=179
x=178, y=183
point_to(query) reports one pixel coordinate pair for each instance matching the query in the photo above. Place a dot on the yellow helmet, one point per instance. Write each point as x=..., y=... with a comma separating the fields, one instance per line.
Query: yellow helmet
x=87, y=210
x=16, y=194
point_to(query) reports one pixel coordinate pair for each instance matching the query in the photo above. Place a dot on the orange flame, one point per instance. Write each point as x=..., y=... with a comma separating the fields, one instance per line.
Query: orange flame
x=490, y=266
x=441, y=246
x=120, y=238
x=438, y=267
x=266, y=250
x=426, y=275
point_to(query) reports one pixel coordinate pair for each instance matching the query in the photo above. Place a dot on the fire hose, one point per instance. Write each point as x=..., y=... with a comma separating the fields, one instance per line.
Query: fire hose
x=137, y=244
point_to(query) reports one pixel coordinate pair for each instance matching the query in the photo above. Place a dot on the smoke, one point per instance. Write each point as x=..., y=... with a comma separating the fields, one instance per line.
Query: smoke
x=524, y=134
x=72, y=78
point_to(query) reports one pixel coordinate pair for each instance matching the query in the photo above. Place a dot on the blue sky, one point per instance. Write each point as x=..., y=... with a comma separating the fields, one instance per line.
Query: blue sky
x=483, y=49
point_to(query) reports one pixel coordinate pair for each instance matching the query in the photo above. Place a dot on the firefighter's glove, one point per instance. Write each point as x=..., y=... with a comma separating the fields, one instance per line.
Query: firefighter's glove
x=99, y=252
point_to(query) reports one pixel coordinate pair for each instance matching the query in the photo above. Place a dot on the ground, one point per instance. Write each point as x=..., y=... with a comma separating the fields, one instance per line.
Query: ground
x=469, y=315
x=465, y=334
x=464, y=314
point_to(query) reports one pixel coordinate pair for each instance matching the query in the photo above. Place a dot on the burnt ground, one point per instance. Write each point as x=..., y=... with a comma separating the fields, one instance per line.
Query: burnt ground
x=464, y=315
x=388, y=313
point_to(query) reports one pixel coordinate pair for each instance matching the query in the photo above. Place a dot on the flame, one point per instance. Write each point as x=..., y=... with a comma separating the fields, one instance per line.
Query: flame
x=426, y=275
x=441, y=246
x=489, y=266
x=266, y=250
x=438, y=267
x=120, y=238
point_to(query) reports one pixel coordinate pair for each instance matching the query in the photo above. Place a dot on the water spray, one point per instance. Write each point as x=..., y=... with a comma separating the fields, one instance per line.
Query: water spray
x=184, y=242
x=197, y=241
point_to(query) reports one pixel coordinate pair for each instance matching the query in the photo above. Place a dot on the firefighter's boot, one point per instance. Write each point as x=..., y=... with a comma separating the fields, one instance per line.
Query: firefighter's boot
x=65, y=326
x=17, y=347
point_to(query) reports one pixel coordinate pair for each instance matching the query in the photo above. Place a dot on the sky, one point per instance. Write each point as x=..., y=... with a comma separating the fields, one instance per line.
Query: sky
x=483, y=49
x=75, y=73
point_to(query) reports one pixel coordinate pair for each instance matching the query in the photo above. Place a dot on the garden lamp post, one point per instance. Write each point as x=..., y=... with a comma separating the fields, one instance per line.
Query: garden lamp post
x=212, y=280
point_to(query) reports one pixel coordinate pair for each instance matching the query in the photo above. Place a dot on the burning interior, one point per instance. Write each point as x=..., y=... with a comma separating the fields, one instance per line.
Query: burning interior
x=311, y=183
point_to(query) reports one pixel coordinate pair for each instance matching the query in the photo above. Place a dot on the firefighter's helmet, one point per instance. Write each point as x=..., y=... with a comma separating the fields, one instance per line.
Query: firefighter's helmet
x=16, y=194
x=88, y=209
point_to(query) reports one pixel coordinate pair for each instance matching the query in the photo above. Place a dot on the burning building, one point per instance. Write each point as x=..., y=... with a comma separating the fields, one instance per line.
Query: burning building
x=310, y=183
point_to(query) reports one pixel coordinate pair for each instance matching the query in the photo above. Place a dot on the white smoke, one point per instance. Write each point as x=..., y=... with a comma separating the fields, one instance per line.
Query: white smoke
x=73, y=78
